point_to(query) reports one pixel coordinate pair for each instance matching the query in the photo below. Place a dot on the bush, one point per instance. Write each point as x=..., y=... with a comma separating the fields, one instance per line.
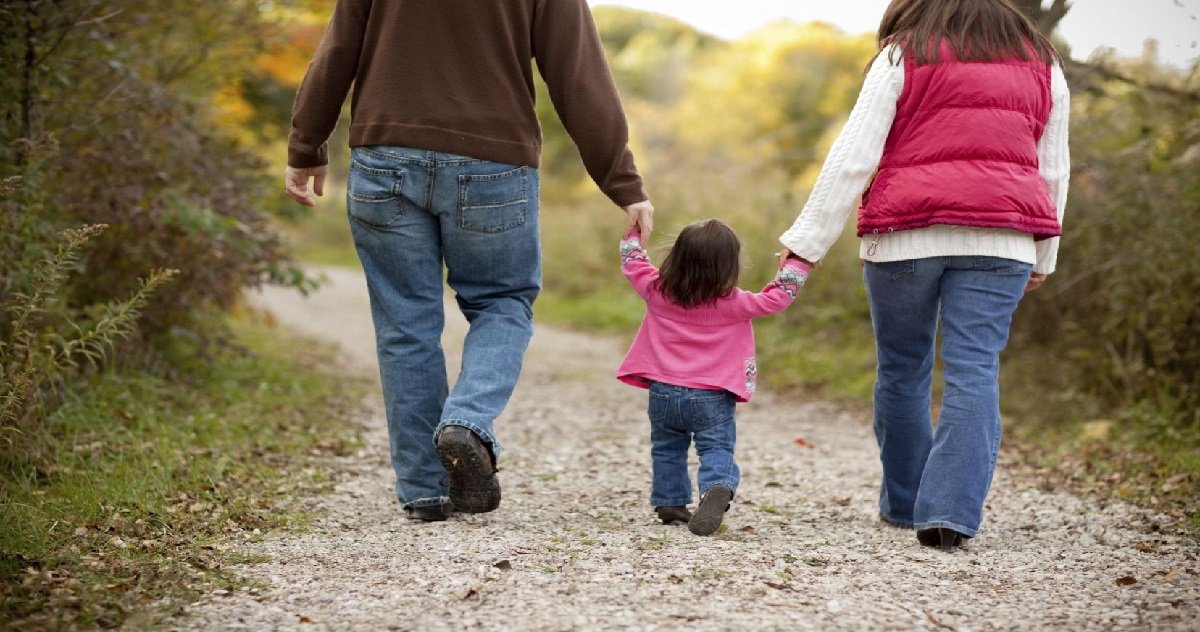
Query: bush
x=45, y=340
x=1119, y=321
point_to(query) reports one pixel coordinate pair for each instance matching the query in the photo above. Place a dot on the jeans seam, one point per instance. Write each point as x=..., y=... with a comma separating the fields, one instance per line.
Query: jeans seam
x=670, y=502
x=728, y=484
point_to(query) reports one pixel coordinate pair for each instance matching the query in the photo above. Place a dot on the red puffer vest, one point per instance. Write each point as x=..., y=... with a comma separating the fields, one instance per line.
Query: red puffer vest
x=963, y=150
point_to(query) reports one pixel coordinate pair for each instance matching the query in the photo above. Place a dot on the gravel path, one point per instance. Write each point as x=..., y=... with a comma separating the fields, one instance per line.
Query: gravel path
x=574, y=546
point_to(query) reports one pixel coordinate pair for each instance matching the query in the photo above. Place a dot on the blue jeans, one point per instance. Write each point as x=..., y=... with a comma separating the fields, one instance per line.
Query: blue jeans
x=677, y=415
x=411, y=211
x=940, y=478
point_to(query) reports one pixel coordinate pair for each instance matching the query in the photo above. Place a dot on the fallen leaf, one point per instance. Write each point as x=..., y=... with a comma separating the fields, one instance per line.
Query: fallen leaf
x=780, y=586
x=503, y=565
x=1127, y=580
x=804, y=443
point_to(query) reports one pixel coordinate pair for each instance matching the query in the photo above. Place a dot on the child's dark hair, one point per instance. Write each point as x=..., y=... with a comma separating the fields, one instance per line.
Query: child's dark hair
x=703, y=264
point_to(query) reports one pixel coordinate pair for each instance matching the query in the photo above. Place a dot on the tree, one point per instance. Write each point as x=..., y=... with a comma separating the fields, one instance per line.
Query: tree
x=1046, y=18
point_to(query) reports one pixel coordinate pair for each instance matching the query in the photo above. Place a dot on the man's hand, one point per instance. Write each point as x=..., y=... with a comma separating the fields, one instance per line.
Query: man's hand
x=640, y=218
x=295, y=183
x=1035, y=281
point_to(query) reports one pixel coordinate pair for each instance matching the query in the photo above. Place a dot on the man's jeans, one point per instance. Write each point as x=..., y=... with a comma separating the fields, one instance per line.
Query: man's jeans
x=677, y=414
x=412, y=210
x=940, y=478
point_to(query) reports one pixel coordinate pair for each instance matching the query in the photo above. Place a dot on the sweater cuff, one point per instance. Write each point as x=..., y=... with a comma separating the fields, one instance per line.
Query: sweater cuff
x=795, y=262
x=306, y=158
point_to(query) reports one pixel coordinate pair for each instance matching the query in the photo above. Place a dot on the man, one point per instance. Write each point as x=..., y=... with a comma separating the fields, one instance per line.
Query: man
x=445, y=148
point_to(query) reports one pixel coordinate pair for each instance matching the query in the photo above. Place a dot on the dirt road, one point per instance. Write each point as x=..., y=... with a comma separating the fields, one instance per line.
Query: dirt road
x=574, y=546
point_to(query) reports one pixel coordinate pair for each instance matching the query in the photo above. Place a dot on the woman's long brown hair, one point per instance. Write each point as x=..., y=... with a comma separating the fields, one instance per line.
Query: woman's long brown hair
x=975, y=30
x=703, y=264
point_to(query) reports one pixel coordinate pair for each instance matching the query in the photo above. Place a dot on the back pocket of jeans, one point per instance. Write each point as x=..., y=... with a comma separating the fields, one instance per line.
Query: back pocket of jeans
x=493, y=203
x=373, y=195
x=896, y=270
x=710, y=410
x=658, y=408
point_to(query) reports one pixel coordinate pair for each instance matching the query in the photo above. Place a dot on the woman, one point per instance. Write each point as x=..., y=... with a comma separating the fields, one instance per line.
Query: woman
x=961, y=132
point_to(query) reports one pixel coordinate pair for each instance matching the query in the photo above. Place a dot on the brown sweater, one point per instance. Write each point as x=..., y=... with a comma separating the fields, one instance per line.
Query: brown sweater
x=456, y=76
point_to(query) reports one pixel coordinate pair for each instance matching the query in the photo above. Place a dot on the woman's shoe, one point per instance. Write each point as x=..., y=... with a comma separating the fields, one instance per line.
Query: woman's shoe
x=940, y=537
x=670, y=515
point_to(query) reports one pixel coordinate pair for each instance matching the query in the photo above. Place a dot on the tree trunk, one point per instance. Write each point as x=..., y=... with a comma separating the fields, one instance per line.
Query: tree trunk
x=1046, y=19
x=27, y=76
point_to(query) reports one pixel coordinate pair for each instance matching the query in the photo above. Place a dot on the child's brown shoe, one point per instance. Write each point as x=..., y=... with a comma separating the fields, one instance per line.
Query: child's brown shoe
x=670, y=515
x=711, y=511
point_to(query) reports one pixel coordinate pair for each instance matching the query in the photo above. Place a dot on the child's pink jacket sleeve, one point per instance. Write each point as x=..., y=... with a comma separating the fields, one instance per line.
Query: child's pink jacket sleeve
x=776, y=295
x=636, y=265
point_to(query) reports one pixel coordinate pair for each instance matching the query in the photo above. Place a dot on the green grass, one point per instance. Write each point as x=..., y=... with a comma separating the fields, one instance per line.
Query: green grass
x=120, y=515
x=609, y=309
x=1153, y=463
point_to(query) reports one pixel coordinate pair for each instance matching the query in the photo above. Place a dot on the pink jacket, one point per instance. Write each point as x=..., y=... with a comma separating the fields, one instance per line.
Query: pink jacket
x=963, y=150
x=710, y=346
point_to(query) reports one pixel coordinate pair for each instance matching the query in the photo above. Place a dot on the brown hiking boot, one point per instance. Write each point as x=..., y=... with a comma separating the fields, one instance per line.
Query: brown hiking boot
x=711, y=511
x=474, y=487
x=670, y=515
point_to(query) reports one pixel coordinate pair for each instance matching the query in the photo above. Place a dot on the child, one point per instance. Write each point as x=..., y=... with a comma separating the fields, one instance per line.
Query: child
x=695, y=353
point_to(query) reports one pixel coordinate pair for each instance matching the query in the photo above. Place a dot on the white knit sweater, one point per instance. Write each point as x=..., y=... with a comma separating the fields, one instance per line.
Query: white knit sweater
x=856, y=153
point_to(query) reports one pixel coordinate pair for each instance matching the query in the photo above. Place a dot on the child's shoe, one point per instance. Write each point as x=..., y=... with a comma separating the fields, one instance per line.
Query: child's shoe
x=670, y=515
x=711, y=511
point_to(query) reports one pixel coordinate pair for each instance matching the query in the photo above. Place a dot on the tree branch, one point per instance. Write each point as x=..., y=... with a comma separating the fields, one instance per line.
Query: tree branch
x=1089, y=75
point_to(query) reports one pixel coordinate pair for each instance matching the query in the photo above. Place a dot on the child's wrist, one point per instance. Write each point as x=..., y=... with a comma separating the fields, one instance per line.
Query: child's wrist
x=803, y=265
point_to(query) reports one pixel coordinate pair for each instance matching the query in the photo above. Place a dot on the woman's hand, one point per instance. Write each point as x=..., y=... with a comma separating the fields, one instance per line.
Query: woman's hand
x=783, y=257
x=1035, y=281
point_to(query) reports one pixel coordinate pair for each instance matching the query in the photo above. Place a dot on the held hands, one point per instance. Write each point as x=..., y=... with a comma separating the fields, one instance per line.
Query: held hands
x=640, y=219
x=295, y=183
x=785, y=253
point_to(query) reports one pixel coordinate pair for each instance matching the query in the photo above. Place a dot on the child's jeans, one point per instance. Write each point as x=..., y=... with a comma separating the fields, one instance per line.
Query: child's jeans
x=677, y=414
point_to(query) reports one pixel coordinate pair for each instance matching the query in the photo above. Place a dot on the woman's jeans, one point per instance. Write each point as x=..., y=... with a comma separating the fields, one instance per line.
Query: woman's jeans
x=411, y=212
x=940, y=478
x=677, y=416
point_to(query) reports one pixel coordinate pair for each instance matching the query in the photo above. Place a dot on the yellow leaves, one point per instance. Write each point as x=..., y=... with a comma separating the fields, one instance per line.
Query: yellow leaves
x=779, y=89
x=232, y=108
x=286, y=61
